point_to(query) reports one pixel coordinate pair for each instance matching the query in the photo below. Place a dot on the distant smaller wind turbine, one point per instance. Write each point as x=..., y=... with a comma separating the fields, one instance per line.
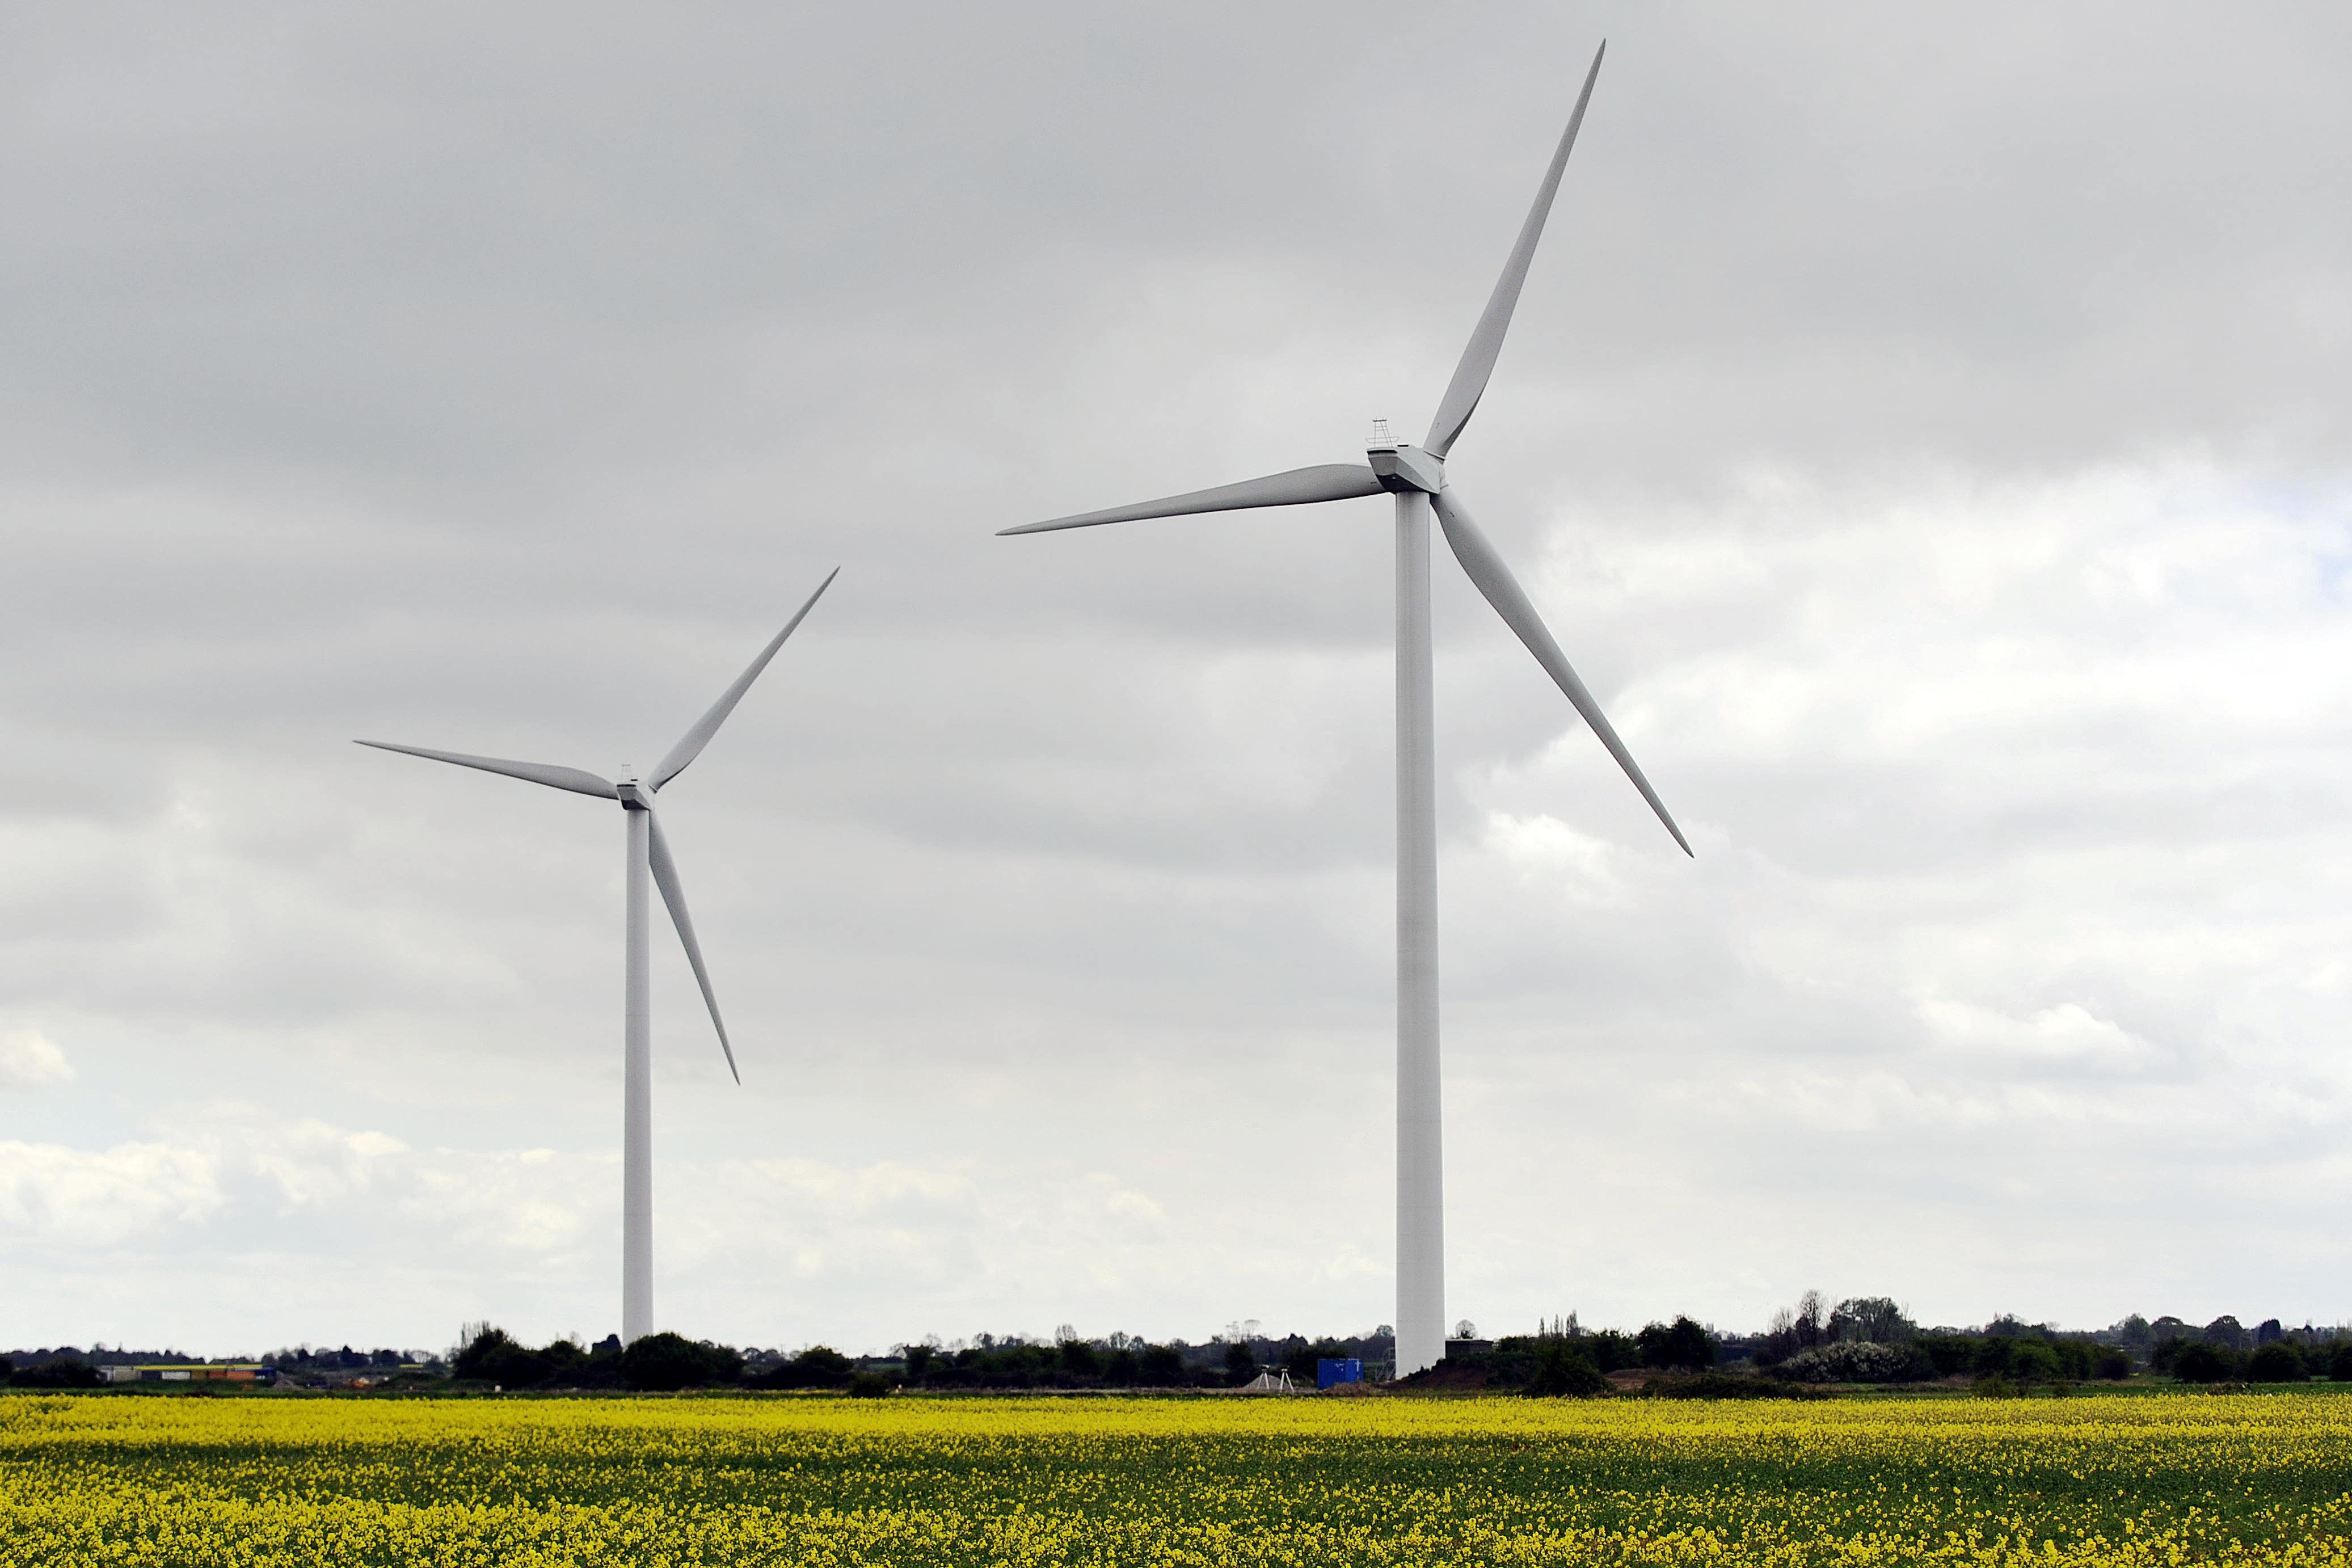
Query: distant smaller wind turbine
x=648, y=849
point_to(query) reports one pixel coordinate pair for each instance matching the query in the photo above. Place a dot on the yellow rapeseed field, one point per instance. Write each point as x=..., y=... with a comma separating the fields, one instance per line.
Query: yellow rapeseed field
x=2142, y=1480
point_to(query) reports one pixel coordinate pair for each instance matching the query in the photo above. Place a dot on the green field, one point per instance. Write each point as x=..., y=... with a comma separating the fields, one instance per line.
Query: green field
x=2178, y=1478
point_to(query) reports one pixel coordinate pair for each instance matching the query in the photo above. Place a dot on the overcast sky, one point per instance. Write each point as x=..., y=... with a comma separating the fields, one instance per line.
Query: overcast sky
x=1924, y=426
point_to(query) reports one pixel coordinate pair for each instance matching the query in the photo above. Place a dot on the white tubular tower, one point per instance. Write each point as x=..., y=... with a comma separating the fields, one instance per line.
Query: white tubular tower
x=1421, y=1155
x=638, y=1098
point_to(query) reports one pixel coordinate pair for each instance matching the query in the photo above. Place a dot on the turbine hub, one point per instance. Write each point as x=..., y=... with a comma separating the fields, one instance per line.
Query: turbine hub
x=1401, y=468
x=635, y=794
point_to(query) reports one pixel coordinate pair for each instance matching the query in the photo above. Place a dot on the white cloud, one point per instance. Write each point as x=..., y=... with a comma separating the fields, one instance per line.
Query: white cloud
x=31, y=1060
x=2066, y=1035
x=89, y=1200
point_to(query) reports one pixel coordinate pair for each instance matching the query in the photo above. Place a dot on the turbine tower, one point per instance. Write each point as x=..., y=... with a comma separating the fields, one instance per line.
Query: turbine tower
x=648, y=851
x=1417, y=477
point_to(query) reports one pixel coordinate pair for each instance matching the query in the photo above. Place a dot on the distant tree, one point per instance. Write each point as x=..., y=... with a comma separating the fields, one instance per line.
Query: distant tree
x=665, y=1363
x=868, y=1385
x=2135, y=1332
x=1078, y=1358
x=2340, y=1362
x=1240, y=1364
x=1120, y=1368
x=1160, y=1366
x=1465, y=1330
x=2198, y=1361
x=919, y=1361
x=492, y=1357
x=1612, y=1351
x=1683, y=1344
x=6, y=1368
x=2277, y=1363
x=1301, y=1361
x=819, y=1367
x=1871, y=1320
x=2114, y=1365
x=1563, y=1370
x=1809, y=1322
x=2227, y=1332
x=2268, y=1330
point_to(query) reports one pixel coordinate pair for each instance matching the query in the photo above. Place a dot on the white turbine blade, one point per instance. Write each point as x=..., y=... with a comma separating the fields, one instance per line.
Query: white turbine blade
x=577, y=780
x=1294, y=487
x=1485, y=568
x=673, y=893
x=690, y=747
x=1486, y=342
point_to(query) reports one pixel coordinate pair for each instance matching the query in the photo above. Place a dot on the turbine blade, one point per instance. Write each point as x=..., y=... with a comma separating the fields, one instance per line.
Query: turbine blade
x=578, y=781
x=673, y=893
x=690, y=747
x=1485, y=568
x=1294, y=487
x=1486, y=342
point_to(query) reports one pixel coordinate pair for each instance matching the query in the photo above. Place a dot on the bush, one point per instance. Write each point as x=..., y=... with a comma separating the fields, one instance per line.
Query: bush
x=2339, y=1365
x=1855, y=1361
x=60, y=1373
x=2197, y=1362
x=1241, y=1365
x=2032, y=1360
x=2115, y=1365
x=1947, y=1353
x=665, y=1363
x=2077, y=1359
x=1563, y=1370
x=2277, y=1362
x=868, y=1385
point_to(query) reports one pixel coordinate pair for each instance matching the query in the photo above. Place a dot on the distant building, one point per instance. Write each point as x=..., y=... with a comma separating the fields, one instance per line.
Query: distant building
x=190, y=1372
x=1332, y=1371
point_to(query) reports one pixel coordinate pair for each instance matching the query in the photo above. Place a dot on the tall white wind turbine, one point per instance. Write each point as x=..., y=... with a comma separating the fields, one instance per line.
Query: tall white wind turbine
x=1417, y=477
x=648, y=850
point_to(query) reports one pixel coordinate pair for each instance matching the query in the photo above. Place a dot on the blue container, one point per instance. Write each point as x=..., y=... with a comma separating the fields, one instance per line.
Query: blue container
x=1329, y=1371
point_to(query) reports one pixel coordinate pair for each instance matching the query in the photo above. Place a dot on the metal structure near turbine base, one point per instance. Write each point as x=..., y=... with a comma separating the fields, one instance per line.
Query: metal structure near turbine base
x=1417, y=477
x=648, y=858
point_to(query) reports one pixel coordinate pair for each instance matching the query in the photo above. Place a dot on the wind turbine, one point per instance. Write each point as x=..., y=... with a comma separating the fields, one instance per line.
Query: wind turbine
x=1417, y=477
x=648, y=850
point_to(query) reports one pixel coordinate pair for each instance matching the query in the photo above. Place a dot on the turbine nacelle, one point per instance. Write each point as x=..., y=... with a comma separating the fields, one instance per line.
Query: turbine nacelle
x=1400, y=468
x=634, y=793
